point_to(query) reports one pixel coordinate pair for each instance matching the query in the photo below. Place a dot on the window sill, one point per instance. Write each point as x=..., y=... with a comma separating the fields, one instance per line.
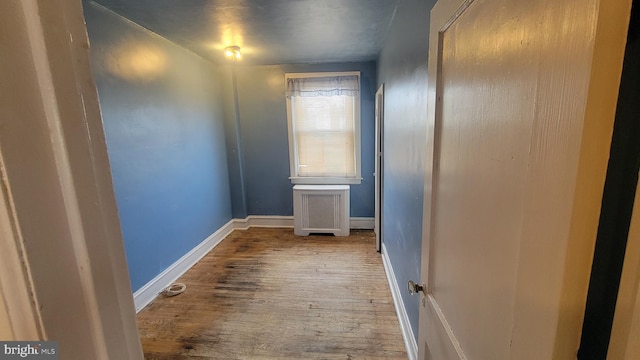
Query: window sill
x=325, y=180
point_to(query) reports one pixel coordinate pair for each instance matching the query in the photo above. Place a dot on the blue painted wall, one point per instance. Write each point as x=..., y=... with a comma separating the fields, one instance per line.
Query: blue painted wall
x=169, y=119
x=264, y=144
x=402, y=67
x=163, y=118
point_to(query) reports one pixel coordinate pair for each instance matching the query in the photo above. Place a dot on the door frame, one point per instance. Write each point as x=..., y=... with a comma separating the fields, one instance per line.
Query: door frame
x=626, y=322
x=58, y=216
x=618, y=331
x=379, y=166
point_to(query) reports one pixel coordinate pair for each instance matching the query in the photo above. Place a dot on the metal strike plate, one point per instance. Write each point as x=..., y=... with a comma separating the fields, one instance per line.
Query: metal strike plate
x=415, y=288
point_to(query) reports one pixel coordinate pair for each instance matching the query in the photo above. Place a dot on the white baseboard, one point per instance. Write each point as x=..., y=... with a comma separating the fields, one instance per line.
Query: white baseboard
x=405, y=325
x=265, y=221
x=366, y=223
x=150, y=290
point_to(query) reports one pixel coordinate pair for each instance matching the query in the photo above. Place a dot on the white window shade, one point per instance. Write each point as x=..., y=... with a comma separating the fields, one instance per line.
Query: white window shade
x=323, y=86
x=324, y=129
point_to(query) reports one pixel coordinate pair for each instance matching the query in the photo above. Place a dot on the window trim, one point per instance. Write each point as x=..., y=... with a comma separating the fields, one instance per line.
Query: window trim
x=321, y=180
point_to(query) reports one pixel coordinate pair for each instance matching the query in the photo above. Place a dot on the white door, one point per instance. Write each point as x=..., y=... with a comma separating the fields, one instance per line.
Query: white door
x=522, y=98
x=379, y=114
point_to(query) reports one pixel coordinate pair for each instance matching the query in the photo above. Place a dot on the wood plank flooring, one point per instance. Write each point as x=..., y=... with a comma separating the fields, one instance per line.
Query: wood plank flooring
x=267, y=294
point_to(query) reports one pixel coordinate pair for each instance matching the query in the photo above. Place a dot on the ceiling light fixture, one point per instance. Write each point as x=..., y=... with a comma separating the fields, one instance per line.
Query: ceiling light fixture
x=232, y=52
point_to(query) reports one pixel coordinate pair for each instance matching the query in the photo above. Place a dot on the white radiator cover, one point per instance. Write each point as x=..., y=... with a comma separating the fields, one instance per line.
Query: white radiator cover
x=321, y=209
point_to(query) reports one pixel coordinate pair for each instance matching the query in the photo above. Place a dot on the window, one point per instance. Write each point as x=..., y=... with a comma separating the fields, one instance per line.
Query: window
x=323, y=111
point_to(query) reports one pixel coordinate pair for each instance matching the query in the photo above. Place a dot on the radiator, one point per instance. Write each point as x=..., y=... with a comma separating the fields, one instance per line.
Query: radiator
x=321, y=209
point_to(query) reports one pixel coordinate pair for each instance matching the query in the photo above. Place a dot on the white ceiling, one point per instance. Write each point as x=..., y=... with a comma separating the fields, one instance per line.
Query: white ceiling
x=268, y=31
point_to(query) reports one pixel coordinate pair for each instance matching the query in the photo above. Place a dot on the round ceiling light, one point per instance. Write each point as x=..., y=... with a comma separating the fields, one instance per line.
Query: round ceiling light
x=232, y=52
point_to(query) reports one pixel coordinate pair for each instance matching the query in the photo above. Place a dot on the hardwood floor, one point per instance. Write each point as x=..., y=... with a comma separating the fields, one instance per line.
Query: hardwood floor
x=267, y=294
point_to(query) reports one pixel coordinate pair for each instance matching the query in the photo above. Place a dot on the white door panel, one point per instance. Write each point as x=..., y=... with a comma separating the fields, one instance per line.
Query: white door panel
x=511, y=217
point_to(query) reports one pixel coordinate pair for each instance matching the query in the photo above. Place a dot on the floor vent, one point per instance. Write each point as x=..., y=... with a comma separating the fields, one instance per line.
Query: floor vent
x=321, y=209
